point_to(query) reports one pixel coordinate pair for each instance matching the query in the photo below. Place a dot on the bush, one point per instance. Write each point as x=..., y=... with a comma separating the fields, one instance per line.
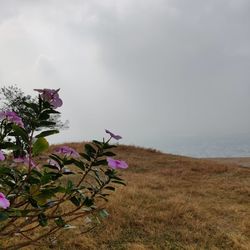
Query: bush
x=40, y=196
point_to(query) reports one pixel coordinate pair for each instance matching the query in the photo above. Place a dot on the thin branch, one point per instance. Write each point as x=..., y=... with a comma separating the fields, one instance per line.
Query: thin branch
x=51, y=231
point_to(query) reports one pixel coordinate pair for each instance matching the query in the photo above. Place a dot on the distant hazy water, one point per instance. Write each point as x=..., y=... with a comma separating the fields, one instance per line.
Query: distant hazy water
x=230, y=146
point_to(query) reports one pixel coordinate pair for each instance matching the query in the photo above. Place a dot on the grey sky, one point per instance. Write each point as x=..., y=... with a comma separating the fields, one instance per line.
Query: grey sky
x=146, y=69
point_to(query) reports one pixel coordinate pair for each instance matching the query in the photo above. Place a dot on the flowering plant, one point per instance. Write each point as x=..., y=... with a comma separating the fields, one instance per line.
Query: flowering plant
x=50, y=194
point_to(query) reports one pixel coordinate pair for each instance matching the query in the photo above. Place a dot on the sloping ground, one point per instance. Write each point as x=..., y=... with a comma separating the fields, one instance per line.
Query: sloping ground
x=171, y=202
x=240, y=161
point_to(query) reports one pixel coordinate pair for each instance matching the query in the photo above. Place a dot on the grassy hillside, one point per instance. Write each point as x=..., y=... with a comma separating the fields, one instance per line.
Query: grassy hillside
x=171, y=202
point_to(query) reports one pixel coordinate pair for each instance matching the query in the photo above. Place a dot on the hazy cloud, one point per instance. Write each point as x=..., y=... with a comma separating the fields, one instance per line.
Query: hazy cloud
x=145, y=68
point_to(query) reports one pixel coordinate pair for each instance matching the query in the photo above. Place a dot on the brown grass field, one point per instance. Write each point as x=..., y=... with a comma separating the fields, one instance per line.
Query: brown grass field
x=170, y=202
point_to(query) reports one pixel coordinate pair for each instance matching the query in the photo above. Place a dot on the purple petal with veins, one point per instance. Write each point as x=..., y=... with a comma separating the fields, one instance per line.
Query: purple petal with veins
x=117, y=137
x=115, y=164
x=2, y=157
x=11, y=116
x=4, y=202
x=51, y=96
x=26, y=161
x=67, y=151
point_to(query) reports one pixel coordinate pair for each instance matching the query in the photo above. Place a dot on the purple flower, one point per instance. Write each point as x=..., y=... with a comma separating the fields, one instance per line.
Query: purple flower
x=2, y=157
x=51, y=96
x=117, y=137
x=11, y=116
x=67, y=151
x=26, y=161
x=4, y=203
x=115, y=164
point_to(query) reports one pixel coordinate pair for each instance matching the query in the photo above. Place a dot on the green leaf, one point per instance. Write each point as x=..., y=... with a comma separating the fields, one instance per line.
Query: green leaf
x=103, y=197
x=14, y=212
x=46, y=104
x=33, y=180
x=79, y=164
x=57, y=159
x=52, y=111
x=28, y=114
x=40, y=146
x=119, y=182
x=103, y=213
x=101, y=162
x=46, y=123
x=76, y=201
x=47, y=133
x=46, y=194
x=3, y=216
x=20, y=132
x=5, y=170
x=9, y=145
x=68, y=161
x=42, y=220
x=33, y=202
x=69, y=186
x=88, y=202
x=112, y=175
x=110, y=188
x=9, y=183
x=33, y=106
x=41, y=200
x=37, y=173
x=107, y=146
x=50, y=176
x=34, y=189
x=60, y=222
x=85, y=156
x=90, y=150
x=109, y=153
x=98, y=181
x=50, y=166
x=97, y=142
x=44, y=116
x=59, y=189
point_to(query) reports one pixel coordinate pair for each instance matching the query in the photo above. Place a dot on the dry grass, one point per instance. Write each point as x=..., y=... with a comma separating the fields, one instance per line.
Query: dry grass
x=171, y=202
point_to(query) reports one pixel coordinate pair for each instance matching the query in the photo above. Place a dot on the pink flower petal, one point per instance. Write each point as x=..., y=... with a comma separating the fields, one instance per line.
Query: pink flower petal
x=116, y=164
x=67, y=151
x=2, y=157
x=4, y=203
x=116, y=137
x=51, y=96
x=26, y=161
x=12, y=117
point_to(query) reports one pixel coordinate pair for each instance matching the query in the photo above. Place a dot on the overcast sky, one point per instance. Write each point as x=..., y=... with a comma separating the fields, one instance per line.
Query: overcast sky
x=146, y=69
